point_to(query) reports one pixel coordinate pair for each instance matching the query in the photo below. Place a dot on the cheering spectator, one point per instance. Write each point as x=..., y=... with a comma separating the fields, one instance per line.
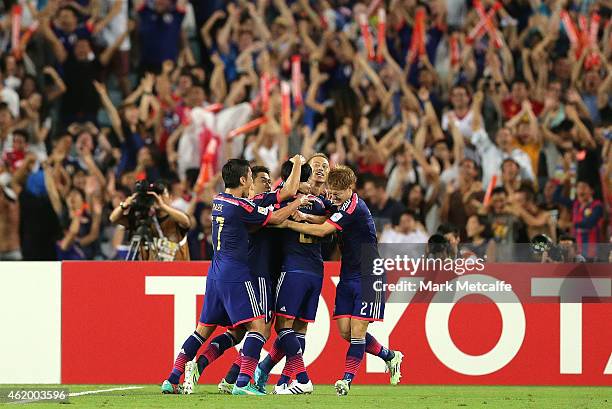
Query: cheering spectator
x=404, y=229
x=86, y=109
x=478, y=232
x=461, y=201
x=382, y=207
x=587, y=217
x=159, y=32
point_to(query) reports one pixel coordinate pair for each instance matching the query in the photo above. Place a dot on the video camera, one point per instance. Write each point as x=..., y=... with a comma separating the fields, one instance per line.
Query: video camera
x=142, y=216
x=542, y=243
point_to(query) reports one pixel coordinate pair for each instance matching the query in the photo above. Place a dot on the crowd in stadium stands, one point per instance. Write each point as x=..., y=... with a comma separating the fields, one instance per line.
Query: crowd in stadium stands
x=96, y=94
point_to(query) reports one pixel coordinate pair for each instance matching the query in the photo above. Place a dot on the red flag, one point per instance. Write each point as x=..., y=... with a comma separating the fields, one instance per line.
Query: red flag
x=16, y=30
x=418, y=33
x=490, y=188
x=249, y=126
x=365, y=34
x=570, y=30
x=498, y=42
x=285, y=107
x=265, y=92
x=296, y=79
x=454, y=50
x=207, y=164
x=480, y=28
x=213, y=107
x=382, y=20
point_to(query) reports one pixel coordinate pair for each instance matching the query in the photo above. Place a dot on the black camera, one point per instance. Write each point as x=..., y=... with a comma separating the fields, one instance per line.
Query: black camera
x=542, y=243
x=143, y=202
x=141, y=211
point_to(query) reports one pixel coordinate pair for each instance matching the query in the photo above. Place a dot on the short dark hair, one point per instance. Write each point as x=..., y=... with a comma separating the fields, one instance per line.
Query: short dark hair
x=21, y=132
x=259, y=169
x=318, y=155
x=69, y=8
x=288, y=167
x=191, y=176
x=447, y=228
x=487, y=233
x=232, y=171
x=397, y=216
x=462, y=85
x=567, y=237
x=497, y=190
x=438, y=245
x=511, y=160
x=378, y=181
x=585, y=181
x=528, y=191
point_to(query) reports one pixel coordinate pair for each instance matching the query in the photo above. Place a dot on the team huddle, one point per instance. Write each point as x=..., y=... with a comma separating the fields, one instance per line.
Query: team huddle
x=267, y=271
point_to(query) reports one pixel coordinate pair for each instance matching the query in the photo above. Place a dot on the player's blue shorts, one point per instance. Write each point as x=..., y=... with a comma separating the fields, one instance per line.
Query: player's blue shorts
x=229, y=304
x=297, y=296
x=351, y=302
x=266, y=296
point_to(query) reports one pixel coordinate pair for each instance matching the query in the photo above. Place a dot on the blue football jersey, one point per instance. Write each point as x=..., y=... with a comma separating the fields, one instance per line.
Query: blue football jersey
x=357, y=235
x=302, y=252
x=261, y=241
x=231, y=218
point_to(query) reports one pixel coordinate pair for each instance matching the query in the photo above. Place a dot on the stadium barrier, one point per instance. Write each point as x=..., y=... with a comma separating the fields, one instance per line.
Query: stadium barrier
x=119, y=322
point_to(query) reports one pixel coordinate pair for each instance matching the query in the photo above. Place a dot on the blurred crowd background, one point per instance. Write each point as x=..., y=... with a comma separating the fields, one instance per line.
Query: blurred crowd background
x=491, y=120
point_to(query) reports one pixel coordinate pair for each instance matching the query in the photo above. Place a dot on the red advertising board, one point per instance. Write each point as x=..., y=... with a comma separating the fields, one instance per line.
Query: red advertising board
x=121, y=323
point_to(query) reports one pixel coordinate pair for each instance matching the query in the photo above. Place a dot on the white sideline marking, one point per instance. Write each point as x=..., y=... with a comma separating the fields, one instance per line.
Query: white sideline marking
x=103, y=390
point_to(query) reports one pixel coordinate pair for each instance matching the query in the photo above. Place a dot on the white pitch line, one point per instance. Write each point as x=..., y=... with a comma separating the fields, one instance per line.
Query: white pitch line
x=80, y=394
x=103, y=390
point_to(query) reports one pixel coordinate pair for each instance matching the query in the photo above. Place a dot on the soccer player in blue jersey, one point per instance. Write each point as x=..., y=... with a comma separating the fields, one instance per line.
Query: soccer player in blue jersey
x=260, y=244
x=357, y=303
x=299, y=286
x=231, y=297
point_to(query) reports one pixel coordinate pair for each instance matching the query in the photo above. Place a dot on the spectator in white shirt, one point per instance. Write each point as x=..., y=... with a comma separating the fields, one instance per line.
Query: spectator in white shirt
x=493, y=154
x=461, y=112
x=405, y=229
x=10, y=97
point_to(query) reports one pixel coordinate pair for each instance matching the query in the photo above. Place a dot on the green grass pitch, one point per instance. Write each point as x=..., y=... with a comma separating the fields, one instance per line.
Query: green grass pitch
x=360, y=397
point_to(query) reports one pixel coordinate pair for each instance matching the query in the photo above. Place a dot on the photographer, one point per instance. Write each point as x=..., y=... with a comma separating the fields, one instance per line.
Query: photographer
x=147, y=213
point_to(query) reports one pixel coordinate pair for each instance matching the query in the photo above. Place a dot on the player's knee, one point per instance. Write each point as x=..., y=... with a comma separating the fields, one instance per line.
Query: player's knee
x=237, y=333
x=205, y=331
x=282, y=322
x=345, y=334
x=258, y=325
x=267, y=331
x=300, y=326
x=359, y=328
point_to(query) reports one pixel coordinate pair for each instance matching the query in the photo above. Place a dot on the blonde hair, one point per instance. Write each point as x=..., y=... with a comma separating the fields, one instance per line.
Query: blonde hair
x=341, y=177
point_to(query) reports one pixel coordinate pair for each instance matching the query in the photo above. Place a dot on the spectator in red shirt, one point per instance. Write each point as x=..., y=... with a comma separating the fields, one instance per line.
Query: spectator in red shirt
x=513, y=103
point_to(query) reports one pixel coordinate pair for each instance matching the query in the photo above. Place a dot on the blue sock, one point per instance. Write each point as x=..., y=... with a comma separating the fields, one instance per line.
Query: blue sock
x=375, y=348
x=188, y=352
x=302, y=339
x=283, y=379
x=251, y=350
x=293, y=351
x=276, y=354
x=234, y=370
x=215, y=349
x=354, y=356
